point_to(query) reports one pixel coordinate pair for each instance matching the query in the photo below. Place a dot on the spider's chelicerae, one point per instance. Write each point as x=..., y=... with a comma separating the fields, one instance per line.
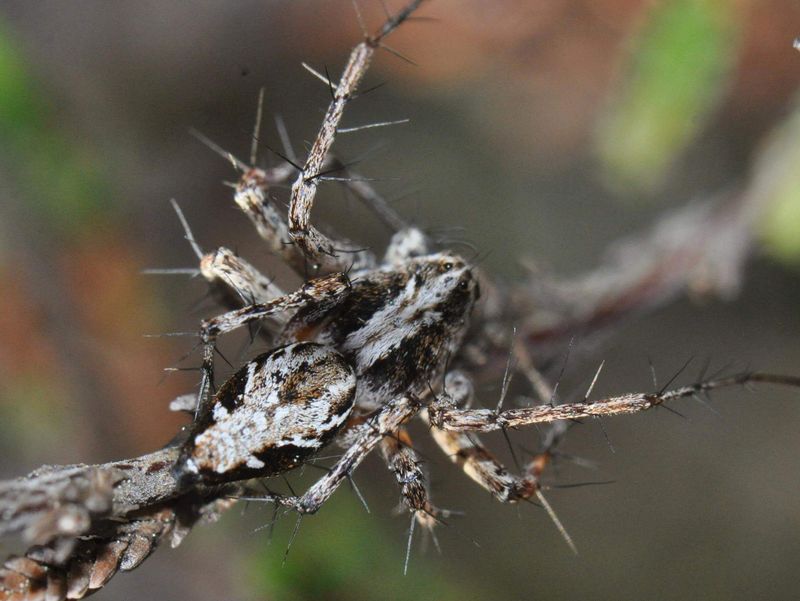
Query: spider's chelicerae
x=367, y=344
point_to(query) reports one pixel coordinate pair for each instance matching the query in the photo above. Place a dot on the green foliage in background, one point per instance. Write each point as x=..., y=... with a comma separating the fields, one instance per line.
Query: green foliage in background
x=344, y=554
x=680, y=59
x=25, y=398
x=779, y=183
x=55, y=173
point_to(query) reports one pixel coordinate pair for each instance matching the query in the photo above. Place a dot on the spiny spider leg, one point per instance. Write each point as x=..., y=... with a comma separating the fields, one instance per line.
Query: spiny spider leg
x=236, y=283
x=324, y=291
x=477, y=461
x=315, y=245
x=406, y=466
x=386, y=420
x=453, y=428
x=252, y=196
x=482, y=467
x=226, y=271
x=485, y=420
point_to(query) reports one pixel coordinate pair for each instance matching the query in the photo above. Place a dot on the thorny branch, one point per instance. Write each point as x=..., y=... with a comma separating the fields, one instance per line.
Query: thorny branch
x=87, y=522
x=700, y=249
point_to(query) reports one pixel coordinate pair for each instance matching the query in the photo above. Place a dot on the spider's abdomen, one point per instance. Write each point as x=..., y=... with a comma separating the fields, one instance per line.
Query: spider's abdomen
x=273, y=414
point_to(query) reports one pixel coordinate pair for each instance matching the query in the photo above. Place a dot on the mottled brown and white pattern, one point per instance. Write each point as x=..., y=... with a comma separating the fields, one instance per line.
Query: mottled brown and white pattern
x=272, y=415
x=405, y=464
x=226, y=271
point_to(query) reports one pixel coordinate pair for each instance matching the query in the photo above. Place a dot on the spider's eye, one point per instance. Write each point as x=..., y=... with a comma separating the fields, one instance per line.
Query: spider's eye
x=447, y=266
x=463, y=284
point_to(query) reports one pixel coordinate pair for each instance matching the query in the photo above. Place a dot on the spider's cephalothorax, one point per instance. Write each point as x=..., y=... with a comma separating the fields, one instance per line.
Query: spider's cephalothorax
x=397, y=325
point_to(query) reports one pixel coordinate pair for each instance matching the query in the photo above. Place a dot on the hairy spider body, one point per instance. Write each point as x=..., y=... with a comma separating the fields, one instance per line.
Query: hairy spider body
x=385, y=334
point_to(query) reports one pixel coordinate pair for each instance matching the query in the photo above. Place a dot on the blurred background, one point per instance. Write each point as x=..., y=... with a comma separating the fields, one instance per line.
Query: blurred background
x=547, y=129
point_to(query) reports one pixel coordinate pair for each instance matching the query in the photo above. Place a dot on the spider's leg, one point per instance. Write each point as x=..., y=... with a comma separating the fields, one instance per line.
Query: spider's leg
x=252, y=196
x=321, y=292
x=237, y=281
x=404, y=462
x=386, y=420
x=481, y=466
x=484, y=469
x=478, y=463
x=455, y=420
x=231, y=278
x=454, y=427
x=318, y=248
x=389, y=418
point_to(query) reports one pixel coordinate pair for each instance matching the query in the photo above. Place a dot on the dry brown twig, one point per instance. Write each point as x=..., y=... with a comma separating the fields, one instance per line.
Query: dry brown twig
x=86, y=523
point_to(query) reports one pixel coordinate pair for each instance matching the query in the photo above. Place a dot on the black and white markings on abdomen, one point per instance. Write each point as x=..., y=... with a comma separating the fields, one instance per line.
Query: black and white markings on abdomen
x=272, y=415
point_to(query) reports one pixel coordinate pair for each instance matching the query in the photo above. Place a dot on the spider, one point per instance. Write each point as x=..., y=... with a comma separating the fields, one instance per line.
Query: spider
x=363, y=347
x=358, y=349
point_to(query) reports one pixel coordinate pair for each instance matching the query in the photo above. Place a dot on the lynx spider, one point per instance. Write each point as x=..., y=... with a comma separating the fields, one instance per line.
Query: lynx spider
x=363, y=347
x=358, y=348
